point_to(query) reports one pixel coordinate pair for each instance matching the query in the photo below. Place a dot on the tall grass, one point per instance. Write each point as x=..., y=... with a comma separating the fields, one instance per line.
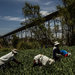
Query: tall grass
x=65, y=67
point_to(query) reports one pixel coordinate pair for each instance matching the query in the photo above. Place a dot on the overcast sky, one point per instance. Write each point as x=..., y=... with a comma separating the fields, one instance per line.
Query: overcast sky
x=11, y=12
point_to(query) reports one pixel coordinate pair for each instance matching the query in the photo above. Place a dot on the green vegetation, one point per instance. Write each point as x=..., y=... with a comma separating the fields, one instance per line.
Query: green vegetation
x=41, y=32
x=31, y=46
x=67, y=11
x=28, y=45
x=65, y=67
x=15, y=41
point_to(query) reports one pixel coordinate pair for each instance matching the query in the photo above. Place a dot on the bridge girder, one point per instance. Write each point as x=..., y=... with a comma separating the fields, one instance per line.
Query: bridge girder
x=46, y=18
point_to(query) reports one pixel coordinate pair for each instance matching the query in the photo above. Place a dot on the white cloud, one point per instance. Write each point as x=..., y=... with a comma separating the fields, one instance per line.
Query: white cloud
x=10, y=18
x=44, y=13
x=48, y=3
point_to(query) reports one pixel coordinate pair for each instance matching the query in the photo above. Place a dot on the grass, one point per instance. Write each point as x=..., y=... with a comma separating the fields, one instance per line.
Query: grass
x=65, y=67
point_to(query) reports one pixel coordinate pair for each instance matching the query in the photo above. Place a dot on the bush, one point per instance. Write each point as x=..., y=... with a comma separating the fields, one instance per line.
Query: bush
x=4, y=51
x=24, y=45
x=15, y=41
x=36, y=44
x=27, y=45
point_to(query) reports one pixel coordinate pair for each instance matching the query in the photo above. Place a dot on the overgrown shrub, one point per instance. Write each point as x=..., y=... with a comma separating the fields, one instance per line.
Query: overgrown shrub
x=4, y=51
x=24, y=45
x=36, y=44
x=3, y=43
x=27, y=45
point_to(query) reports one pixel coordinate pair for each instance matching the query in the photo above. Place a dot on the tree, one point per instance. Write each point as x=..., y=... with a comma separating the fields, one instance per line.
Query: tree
x=15, y=40
x=67, y=11
x=32, y=12
x=56, y=28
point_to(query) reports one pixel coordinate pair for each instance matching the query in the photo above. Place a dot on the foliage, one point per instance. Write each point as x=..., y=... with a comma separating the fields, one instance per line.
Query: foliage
x=56, y=29
x=4, y=42
x=67, y=10
x=4, y=50
x=28, y=45
x=15, y=41
x=36, y=44
x=65, y=67
x=24, y=45
x=32, y=13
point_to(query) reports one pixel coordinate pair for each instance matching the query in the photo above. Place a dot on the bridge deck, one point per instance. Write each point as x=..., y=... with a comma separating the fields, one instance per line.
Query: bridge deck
x=48, y=17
